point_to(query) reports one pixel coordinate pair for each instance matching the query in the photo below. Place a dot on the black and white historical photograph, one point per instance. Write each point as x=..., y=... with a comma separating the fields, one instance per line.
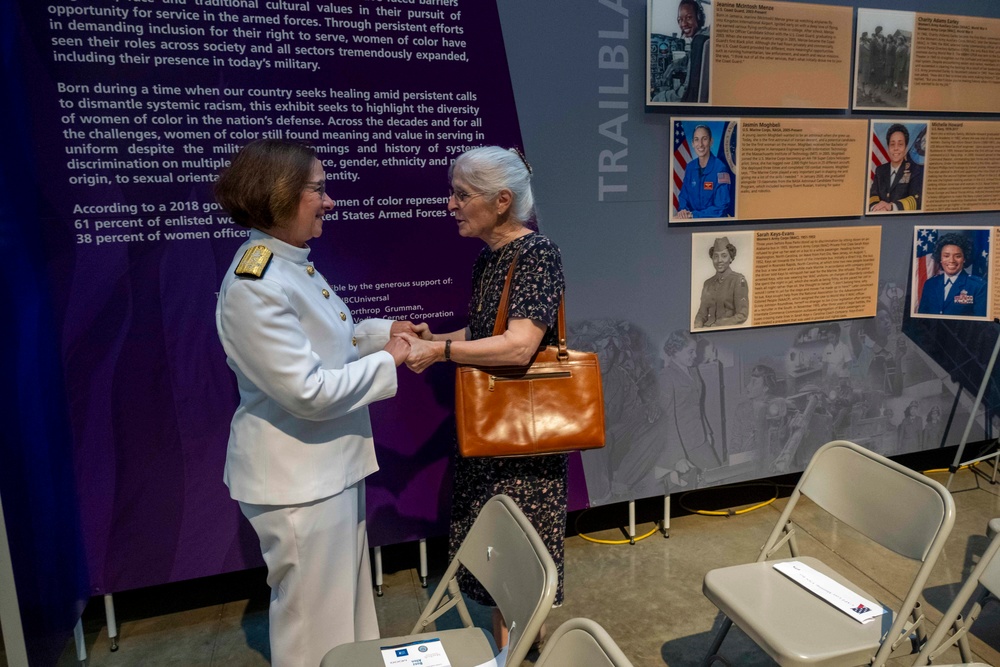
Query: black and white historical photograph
x=721, y=268
x=884, y=50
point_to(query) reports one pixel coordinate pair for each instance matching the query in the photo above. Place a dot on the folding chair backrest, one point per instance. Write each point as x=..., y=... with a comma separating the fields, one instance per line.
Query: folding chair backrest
x=505, y=554
x=581, y=642
x=878, y=497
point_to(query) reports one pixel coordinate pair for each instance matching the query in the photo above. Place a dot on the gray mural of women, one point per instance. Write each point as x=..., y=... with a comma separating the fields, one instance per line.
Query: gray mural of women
x=688, y=439
x=760, y=419
x=933, y=433
x=910, y=429
x=683, y=443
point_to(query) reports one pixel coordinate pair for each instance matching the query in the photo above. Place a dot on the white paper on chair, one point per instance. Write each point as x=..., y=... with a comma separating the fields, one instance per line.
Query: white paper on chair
x=423, y=653
x=498, y=661
x=857, y=607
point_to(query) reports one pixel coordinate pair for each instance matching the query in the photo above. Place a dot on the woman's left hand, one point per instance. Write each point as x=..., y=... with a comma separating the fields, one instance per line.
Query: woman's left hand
x=423, y=353
x=407, y=327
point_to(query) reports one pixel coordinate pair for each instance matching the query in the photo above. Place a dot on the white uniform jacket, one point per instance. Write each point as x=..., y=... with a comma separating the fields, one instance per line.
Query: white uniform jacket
x=306, y=374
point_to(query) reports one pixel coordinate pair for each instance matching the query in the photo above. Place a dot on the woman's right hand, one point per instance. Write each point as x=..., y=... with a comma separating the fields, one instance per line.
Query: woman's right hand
x=399, y=348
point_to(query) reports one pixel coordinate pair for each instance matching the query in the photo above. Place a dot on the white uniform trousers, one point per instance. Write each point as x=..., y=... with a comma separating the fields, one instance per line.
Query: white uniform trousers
x=319, y=573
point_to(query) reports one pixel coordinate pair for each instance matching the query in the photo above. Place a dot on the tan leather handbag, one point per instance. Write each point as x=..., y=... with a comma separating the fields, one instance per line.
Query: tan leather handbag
x=554, y=404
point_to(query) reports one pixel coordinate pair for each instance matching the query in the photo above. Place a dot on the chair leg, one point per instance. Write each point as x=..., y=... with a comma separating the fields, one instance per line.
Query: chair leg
x=964, y=649
x=793, y=544
x=717, y=642
x=917, y=616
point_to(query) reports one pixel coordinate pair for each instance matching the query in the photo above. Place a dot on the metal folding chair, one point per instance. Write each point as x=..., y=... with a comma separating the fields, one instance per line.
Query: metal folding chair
x=985, y=574
x=506, y=555
x=581, y=642
x=897, y=508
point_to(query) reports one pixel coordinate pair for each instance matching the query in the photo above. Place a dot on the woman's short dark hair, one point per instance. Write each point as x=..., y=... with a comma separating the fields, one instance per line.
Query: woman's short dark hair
x=952, y=238
x=676, y=342
x=893, y=129
x=263, y=185
x=699, y=13
x=729, y=246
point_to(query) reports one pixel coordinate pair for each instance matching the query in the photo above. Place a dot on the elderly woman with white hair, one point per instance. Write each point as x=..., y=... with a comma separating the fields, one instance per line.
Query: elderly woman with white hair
x=491, y=200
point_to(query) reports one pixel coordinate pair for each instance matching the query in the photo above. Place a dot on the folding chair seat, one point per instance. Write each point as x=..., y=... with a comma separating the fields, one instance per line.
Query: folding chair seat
x=505, y=554
x=581, y=642
x=953, y=628
x=897, y=508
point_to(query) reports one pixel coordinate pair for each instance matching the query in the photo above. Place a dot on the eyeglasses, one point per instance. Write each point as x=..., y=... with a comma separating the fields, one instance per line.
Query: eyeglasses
x=461, y=196
x=319, y=187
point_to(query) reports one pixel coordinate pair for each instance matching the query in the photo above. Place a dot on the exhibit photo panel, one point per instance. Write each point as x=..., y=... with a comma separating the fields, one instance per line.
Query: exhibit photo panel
x=764, y=278
x=738, y=54
x=766, y=168
x=953, y=273
x=921, y=165
x=926, y=62
x=897, y=155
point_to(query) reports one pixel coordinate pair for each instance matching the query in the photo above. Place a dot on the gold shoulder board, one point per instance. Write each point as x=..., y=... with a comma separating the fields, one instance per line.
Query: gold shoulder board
x=254, y=263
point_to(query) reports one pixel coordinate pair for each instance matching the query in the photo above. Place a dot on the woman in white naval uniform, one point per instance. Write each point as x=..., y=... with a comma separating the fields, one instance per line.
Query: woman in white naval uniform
x=300, y=444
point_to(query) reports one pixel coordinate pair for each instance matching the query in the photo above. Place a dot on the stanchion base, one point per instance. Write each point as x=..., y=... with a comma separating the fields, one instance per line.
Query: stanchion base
x=378, y=591
x=114, y=643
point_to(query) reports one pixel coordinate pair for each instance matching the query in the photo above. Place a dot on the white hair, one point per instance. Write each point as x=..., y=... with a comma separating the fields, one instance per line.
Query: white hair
x=490, y=169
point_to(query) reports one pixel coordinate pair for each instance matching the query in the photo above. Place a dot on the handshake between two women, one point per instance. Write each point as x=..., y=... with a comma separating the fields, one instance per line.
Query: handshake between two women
x=415, y=345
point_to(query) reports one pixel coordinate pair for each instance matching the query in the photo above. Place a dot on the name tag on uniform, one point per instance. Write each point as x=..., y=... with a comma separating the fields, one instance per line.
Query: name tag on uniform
x=708, y=185
x=724, y=178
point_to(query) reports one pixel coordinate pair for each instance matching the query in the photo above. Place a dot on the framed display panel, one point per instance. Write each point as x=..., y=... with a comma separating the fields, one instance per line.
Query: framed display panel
x=926, y=62
x=738, y=54
x=765, y=168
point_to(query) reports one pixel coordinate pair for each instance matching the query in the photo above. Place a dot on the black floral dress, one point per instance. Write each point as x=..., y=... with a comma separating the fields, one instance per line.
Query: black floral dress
x=536, y=483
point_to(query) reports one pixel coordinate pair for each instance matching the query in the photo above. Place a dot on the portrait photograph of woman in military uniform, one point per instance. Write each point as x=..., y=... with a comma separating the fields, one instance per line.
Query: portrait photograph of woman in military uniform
x=720, y=286
x=951, y=268
x=896, y=167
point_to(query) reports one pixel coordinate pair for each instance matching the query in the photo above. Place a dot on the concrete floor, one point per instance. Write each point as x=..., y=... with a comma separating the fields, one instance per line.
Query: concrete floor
x=648, y=596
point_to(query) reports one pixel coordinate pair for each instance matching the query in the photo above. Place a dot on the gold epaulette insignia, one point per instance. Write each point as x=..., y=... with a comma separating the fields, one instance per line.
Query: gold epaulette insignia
x=254, y=263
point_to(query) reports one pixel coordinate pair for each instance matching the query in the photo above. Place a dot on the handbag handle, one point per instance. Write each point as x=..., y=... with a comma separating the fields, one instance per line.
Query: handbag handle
x=500, y=325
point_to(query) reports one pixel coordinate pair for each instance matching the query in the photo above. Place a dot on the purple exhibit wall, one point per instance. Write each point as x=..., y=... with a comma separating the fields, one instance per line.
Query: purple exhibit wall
x=135, y=107
x=41, y=511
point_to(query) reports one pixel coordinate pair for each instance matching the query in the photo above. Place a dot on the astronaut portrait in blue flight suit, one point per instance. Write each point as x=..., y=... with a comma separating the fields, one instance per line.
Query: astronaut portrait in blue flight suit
x=707, y=190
